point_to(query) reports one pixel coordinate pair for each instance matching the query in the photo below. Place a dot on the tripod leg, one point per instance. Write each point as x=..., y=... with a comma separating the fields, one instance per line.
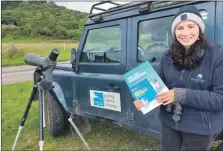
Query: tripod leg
x=25, y=115
x=73, y=124
x=79, y=133
x=41, y=96
x=44, y=122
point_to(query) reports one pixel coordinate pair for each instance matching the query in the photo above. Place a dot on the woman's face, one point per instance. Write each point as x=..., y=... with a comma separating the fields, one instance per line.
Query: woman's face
x=187, y=33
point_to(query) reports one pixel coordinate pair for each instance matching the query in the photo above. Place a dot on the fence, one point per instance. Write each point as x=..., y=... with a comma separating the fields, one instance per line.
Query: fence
x=38, y=46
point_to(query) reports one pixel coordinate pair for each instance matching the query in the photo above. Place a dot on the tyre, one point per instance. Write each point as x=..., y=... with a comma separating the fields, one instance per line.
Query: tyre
x=56, y=121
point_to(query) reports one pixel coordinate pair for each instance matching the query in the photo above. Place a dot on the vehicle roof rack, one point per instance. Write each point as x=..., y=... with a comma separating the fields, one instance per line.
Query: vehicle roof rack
x=141, y=4
x=95, y=6
x=115, y=8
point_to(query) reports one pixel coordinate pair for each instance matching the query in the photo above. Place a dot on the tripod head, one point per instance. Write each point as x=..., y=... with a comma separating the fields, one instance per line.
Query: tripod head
x=45, y=66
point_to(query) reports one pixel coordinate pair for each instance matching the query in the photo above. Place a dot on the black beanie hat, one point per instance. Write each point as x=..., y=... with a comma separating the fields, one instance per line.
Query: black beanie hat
x=187, y=12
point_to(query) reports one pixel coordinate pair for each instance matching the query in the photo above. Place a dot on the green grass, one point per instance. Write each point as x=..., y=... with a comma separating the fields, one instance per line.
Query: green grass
x=103, y=135
x=34, y=47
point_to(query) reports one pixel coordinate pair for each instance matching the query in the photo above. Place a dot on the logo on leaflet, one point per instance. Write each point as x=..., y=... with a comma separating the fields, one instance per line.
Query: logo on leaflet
x=99, y=99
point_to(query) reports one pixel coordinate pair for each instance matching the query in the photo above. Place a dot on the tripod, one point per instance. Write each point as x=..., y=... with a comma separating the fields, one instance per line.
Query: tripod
x=41, y=85
x=42, y=82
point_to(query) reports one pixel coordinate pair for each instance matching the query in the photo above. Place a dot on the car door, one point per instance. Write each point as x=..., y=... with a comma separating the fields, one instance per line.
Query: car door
x=100, y=88
x=151, y=34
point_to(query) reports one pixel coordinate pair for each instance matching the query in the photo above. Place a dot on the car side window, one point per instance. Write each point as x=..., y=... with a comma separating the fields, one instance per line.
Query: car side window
x=102, y=45
x=155, y=37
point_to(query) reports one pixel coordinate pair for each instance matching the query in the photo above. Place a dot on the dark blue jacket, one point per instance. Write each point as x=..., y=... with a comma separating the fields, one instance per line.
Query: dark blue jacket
x=203, y=103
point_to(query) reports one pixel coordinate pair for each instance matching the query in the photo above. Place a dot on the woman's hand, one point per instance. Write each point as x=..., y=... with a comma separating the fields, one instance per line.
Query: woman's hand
x=138, y=104
x=166, y=97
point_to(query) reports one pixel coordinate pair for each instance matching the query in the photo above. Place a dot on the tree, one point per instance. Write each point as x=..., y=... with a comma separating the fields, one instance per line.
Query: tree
x=10, y=4
x=42, y=19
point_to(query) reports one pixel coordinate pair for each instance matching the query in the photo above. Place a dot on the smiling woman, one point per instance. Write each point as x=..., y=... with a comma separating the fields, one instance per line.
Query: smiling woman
x=191, y=110
x=199, y=121
x=187, y=33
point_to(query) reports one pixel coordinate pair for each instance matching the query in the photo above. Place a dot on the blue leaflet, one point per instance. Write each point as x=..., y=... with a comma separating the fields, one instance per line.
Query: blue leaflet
x=144, y=84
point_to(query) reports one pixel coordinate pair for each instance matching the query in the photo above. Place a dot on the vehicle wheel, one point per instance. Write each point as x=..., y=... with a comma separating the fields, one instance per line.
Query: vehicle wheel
x=56, y=122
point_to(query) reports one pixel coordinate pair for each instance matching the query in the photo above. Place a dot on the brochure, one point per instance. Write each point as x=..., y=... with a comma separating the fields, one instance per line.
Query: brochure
x=144, y=84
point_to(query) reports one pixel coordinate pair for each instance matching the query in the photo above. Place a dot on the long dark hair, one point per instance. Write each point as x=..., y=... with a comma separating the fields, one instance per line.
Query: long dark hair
x=191, y=58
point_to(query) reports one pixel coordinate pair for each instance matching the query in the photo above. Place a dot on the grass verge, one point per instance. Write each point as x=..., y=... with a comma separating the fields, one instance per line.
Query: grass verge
x=103, y=136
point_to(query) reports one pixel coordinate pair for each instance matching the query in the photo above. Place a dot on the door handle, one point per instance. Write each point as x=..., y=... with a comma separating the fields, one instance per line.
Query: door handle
x=112, y=87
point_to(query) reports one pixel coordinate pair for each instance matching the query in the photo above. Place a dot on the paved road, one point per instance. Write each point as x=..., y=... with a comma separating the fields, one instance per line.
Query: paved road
x=17, y=74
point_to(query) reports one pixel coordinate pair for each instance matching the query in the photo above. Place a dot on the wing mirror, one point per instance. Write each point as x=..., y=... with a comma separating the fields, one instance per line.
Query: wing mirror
x=73, y=56
x=73, y=59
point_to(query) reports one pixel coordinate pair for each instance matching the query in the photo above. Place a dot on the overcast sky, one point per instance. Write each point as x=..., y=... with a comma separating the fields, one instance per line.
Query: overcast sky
x=83, y=6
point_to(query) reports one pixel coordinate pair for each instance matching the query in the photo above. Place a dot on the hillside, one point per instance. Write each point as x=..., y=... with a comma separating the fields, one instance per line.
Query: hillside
x=40, y=20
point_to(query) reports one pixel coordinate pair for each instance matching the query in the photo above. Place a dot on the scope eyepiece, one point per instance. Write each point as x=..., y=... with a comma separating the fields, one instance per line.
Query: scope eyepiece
x=54, y=54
